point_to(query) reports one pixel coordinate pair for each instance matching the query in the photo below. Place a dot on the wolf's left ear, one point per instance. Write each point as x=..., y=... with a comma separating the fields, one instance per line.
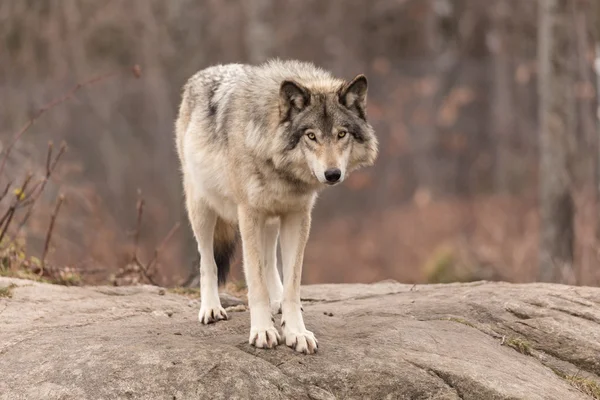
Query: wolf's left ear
x=353, y=96
x=293, y=98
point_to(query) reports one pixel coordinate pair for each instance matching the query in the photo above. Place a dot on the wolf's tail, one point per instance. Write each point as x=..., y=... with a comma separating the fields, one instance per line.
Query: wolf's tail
x=225, y=242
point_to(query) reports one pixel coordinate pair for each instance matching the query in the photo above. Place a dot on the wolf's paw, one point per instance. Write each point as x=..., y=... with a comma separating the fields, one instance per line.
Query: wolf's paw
x=264, y=338
x=303, y=342
x=208, y=315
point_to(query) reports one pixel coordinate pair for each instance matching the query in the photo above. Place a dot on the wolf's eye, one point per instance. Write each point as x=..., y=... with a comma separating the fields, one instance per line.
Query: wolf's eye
x=341, y=134
x=311, y=136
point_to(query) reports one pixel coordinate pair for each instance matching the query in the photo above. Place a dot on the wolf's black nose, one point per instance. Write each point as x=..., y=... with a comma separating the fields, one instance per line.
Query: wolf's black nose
x=333, y=175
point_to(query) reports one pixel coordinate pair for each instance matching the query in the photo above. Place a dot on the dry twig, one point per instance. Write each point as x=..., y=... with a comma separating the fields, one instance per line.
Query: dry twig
x=41, y=185
x=162, y=244
x=20, y=199
x=5, y=192
x=57, y=101
x=146, y=269
x=61, y=199
x=138, y=226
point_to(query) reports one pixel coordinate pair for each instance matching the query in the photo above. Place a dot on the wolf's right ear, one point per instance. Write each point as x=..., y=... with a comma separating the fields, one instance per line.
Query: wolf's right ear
x=353, y=95
x=293, y=98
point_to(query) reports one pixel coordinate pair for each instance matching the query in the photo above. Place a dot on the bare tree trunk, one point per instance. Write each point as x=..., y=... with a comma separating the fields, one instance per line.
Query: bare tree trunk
x=587, y=153
x=425, y=130
x=556, y=125
x=502, y=110
x=596, y=144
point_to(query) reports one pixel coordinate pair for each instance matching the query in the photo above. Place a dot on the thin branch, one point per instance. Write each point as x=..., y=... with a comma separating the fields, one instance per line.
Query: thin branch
x=24, y=203
x=38, y=189
x=61, y=199
x=6, y=220
x=6, y=215
x=145, y=272
x=33, y=190
x=61, y=151
x=5, y=192
x=21, y=191
x=10, y=212
x=146, y=269
x=162, y=245
x=57, y=101
x=138, y=226
x=49, y=156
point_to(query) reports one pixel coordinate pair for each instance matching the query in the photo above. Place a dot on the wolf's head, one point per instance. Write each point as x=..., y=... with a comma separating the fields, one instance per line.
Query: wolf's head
x=326, y=130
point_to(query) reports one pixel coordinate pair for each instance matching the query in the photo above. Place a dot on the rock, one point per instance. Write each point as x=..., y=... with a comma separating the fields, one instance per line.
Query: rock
x=381, y=341
x=228, y=301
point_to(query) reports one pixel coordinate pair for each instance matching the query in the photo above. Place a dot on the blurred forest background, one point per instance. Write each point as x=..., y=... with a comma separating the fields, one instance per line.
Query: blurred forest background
x=456, y=95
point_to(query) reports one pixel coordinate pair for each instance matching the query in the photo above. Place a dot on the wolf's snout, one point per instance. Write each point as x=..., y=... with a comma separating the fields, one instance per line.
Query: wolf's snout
x=333, y=175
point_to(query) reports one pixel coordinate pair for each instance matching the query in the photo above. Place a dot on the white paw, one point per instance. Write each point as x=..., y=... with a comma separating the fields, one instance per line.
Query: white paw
x=302, y=341
x=208, y=315
x=264, y=338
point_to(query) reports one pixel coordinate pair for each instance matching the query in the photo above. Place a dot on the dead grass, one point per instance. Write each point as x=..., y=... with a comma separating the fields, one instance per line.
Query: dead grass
x=6, y=292
x=235, y=288
x=520, y=345
x=584, y=385
x=14, y=263
x=461, y=321
x=192, y=293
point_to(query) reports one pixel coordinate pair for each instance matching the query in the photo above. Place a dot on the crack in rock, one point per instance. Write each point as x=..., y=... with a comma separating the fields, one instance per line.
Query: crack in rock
x=585, y=316
x=313, y=391
x=445, y=379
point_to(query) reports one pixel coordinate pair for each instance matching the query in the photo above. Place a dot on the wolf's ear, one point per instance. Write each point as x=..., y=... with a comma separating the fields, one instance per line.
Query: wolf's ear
x=353, y=96
x=293, y=98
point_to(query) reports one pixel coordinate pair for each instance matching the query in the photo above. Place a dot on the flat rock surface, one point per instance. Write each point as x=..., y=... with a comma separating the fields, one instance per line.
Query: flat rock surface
x=382, y=341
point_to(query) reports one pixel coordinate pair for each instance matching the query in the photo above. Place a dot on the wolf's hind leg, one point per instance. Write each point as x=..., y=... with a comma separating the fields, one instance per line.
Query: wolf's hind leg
x=274, y=284
x=203, y=220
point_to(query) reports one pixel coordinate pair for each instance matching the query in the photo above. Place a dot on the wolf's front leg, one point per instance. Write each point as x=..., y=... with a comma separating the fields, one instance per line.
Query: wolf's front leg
x=293, y=238
x=252, y=227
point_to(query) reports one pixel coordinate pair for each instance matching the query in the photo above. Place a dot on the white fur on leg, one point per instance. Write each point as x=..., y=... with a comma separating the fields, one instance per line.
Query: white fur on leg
x=210, y=303
x=274, y=285
x=275, y=289
x=294, y=235
x=252, y=228
x=262, y=331
x=203, y=221
x=295, y=333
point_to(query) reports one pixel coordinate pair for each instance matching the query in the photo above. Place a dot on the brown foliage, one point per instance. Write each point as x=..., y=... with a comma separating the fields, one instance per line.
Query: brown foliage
x=452, y=95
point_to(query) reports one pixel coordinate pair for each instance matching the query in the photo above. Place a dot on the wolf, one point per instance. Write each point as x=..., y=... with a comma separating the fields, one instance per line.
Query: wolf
x=256, y=144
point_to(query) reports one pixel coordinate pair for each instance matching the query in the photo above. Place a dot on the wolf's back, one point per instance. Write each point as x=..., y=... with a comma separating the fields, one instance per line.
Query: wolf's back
x=204, y=96
x=211, y=92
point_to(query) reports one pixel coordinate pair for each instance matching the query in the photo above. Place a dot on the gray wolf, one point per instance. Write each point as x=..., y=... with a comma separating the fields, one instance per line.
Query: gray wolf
x=256, y=145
